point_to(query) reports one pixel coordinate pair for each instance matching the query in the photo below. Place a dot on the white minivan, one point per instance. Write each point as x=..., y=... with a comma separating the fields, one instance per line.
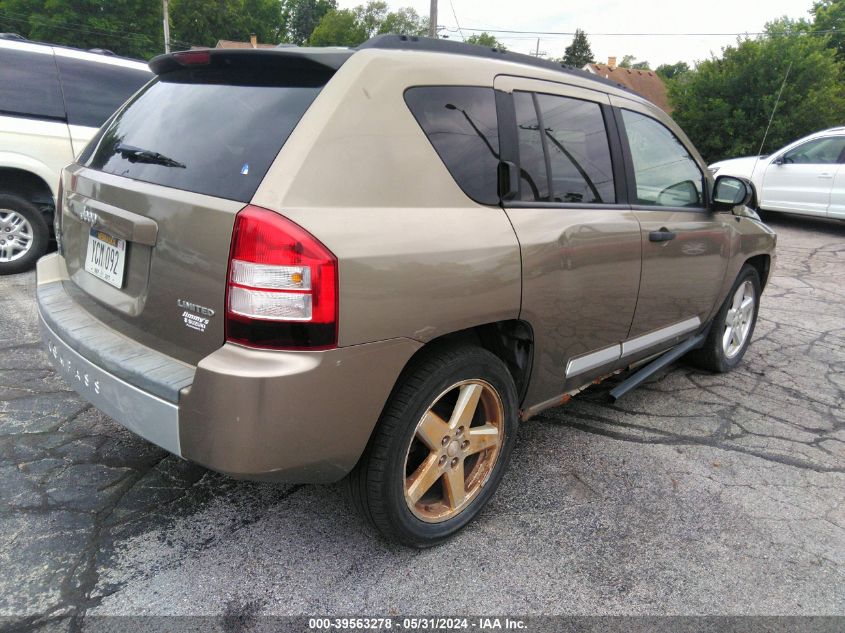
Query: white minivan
x=52, y=101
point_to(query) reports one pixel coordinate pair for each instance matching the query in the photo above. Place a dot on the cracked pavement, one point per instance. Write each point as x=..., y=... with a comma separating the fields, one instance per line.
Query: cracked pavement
x=695, y=494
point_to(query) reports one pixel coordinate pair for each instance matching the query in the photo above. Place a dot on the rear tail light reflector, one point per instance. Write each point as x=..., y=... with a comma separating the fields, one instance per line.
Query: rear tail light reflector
x=272, y=306
x=275, y=277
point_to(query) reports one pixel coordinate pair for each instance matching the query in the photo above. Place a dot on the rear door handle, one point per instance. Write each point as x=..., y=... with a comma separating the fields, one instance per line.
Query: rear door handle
x=663, y=235
x=826, y=176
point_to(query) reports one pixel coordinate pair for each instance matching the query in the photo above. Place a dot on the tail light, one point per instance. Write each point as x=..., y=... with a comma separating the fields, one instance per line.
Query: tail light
x=282, y=285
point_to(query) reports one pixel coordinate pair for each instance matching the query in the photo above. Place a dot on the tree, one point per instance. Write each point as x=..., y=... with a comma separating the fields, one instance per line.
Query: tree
x=264, y=18
x=404, y=21
x=301, y=17
x=203, y=22
x=829, y=15
x=134, y=27
x=668, y=72
x=370, y=16
x=350, y=27
x=578, y=53
x=338, y=27
x=629, y=61
x=485, y=39
x=128, y=27
x=724, y=104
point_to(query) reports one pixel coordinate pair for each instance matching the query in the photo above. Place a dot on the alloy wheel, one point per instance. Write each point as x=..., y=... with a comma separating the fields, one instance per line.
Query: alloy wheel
x=738, y=320
x=454, y=450
x=16, y=235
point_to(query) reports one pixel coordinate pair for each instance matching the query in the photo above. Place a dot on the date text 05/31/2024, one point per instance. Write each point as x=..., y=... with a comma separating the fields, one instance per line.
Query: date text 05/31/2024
x=416, y=624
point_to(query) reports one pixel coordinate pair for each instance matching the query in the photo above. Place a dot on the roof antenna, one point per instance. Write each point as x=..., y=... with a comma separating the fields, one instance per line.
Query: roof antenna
x=771, y=118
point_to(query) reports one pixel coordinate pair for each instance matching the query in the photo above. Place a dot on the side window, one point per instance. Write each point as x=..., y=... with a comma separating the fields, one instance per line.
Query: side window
x=821, y=151
x=94, y=90
x=534, y=179
x=461, y=124
x=579, y=153
x=29, y=84
x=665, y=173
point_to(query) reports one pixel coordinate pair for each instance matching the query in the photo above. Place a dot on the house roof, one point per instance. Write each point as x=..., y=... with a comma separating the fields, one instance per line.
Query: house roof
x=234, y=44
x=645, y=83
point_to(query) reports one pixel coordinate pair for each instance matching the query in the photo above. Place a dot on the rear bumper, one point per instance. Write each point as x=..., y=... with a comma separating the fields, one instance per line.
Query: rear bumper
x=151, y=417
x=300, y=417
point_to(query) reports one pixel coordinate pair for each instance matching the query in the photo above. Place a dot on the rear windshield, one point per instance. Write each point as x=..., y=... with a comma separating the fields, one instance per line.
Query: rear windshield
x=217, y=138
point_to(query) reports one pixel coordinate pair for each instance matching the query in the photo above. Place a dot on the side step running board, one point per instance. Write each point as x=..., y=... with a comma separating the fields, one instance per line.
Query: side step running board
x=640, y=376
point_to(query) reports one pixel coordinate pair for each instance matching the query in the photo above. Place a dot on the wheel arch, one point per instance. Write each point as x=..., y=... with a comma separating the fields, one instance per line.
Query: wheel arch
x=762, y=264
x=28, y=185
x=512, y=341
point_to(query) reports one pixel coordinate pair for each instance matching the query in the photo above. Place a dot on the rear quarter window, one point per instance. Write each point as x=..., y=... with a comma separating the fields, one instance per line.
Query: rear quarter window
x=461, y=124
x=94, y=90
x=29, y=84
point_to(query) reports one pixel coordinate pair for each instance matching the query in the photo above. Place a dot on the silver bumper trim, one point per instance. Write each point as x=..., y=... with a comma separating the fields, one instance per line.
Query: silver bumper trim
x=149, y=416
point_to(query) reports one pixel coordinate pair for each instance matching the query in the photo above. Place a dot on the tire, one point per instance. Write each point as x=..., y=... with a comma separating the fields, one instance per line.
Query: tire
x=380, y=488
x=715, y=355
x=22, y=221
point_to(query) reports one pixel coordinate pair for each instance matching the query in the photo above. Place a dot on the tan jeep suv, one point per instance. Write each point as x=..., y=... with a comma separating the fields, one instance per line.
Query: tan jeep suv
x=315, y=264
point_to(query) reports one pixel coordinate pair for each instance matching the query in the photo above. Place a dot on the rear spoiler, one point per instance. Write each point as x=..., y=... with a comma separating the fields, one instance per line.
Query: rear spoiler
x=320, y=63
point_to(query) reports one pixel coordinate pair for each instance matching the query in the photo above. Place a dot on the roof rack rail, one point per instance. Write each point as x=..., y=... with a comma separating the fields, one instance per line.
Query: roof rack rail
x=432, y=45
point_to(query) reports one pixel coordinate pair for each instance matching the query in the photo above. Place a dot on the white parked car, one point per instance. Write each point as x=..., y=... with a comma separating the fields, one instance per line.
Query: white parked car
x=806, y=177
x=52, y=102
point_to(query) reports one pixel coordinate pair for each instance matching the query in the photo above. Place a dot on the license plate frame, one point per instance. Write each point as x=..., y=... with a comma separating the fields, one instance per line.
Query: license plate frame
x=105, y=257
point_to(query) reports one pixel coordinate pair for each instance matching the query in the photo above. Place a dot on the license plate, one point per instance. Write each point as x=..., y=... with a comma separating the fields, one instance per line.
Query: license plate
x=106, y=257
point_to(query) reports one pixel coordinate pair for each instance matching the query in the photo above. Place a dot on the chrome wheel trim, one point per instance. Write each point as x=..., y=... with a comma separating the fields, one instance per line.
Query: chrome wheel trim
x=738, y=320
x=450, y=460
x=16, y=236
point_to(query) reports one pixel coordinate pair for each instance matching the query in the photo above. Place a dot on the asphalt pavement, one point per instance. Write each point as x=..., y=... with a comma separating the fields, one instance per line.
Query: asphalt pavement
x=695, y=494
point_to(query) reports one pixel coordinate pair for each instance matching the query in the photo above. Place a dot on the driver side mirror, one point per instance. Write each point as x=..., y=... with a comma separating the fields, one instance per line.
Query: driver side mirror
x=778, y=161
x=730, y=192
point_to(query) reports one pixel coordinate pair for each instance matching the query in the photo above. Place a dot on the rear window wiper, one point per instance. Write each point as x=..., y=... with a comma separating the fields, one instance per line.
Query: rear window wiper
x=138, y=155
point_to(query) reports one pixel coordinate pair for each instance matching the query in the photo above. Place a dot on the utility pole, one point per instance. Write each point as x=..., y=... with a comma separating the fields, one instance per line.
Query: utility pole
x=537, y=52
x=166, y=12
x=432, y=19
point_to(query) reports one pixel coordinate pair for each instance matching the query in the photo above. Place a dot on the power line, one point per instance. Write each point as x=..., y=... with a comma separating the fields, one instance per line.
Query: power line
x=533, y=34
x=455, y=15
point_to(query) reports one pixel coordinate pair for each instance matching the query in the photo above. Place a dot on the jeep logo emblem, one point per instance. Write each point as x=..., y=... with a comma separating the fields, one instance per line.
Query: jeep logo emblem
x=88, y=216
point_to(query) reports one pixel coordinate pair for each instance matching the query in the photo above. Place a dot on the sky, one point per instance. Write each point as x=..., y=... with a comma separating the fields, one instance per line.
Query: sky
x=612, y=17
